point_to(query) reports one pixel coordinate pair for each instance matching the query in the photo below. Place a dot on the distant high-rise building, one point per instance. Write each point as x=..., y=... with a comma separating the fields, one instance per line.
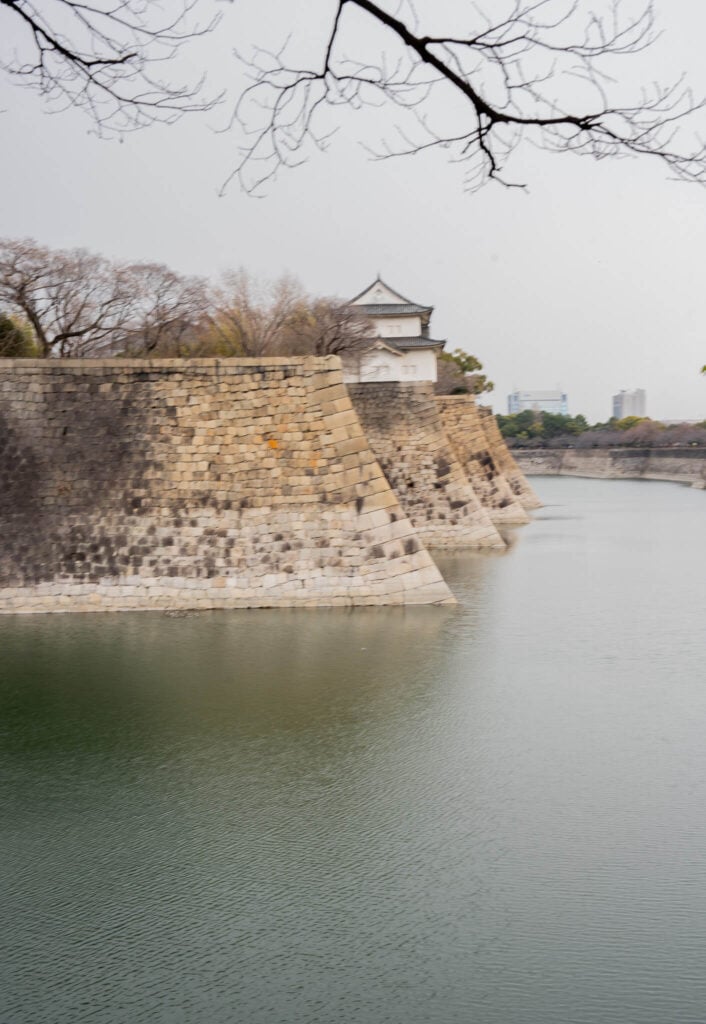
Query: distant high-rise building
x=538, y=401
x=629, y=403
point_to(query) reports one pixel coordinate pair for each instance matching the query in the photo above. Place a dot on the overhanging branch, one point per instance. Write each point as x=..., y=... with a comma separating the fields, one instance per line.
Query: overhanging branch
x=542, y=72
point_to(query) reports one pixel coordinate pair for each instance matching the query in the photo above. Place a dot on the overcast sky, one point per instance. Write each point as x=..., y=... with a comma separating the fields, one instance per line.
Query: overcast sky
x=591, y=281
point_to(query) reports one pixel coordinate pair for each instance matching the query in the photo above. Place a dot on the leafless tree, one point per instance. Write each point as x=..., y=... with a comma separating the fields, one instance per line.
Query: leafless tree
x=645, y=434
x=250, y=317
x=327, y=327
x=81, y=304
x=168, y=311
x=686, y=434
x=105, y=56
x=505, y=72
x=74, y=300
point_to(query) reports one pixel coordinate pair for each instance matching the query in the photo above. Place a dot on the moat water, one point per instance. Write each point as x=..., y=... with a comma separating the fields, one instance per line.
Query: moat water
x=493, y=814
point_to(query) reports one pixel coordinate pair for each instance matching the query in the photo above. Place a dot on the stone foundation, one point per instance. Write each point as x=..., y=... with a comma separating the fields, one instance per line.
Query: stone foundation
x=505, y=461
x=464, y=428
x=195, y=484
x=402, y=424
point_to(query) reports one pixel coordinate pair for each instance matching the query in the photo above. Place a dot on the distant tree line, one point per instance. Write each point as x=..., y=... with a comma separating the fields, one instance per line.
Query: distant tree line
x=532, y=429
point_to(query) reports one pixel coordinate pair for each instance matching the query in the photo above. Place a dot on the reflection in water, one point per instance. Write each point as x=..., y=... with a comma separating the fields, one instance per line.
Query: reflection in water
x=488, y=813
x=131, y=678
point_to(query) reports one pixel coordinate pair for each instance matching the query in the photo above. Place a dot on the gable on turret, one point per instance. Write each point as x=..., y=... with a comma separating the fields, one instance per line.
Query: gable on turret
x=379, y=299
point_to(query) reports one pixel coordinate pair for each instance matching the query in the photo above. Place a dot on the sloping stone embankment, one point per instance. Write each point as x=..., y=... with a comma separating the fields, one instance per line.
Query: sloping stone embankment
x=681, y=465
x=463, y=425
x=519, y=485
x=402, y=424
x=195, y=484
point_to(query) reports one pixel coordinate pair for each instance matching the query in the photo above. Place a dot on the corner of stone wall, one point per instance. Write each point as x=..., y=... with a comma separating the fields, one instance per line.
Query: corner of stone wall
x=401, y=421
x=463, y=424
x=519, y=485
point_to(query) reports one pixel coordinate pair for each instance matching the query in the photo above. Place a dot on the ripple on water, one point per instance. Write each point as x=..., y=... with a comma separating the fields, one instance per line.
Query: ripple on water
x=490, y=813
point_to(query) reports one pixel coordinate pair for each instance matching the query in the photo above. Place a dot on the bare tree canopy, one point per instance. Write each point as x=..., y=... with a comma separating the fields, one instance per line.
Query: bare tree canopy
x=248, y=317
x=475, y=79
x=167, y=310
x=328, y=327
x=269, y=318
x=57, y=302
x=105, y=56
x=81, y=304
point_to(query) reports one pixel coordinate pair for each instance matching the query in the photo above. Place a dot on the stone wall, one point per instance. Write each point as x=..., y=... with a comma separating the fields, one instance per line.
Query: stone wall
x=195, y=484
x=402, y=424
x=519, y=485
x=463, y=425
x=681, y=465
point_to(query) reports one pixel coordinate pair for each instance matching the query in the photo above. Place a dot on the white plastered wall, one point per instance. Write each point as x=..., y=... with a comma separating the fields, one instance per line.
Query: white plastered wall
x=398, y=326
x=383, y=365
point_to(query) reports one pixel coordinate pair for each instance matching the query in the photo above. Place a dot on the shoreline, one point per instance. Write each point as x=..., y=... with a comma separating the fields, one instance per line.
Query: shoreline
x=676, y=465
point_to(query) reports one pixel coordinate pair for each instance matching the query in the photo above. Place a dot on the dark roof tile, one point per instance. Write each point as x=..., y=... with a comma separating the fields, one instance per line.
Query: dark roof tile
x=409, y=344
x=390, y=308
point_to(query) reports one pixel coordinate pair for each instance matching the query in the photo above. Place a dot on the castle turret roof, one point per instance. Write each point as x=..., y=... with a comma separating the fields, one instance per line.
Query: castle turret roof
x=378, y=299
x=391, y=308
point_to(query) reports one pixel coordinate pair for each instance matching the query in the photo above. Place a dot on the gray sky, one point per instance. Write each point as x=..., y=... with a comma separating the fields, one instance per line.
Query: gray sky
x=590, y=282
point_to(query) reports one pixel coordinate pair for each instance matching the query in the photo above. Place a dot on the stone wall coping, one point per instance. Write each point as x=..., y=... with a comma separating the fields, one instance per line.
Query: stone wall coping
x=235, y=363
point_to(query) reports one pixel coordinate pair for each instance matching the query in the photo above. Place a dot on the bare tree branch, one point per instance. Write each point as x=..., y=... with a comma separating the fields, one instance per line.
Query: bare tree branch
x=329, y=327
x=104, y=57
x=249, y=318
x=81, y=304
x=543, y=71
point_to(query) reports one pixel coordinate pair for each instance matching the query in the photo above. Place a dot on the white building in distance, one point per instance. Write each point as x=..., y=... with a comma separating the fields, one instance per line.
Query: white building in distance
x=629, y=403
x=538, y=401
x=401, y=348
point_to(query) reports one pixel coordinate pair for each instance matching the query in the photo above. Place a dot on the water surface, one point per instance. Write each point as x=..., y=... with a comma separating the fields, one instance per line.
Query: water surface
x=491, y=814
